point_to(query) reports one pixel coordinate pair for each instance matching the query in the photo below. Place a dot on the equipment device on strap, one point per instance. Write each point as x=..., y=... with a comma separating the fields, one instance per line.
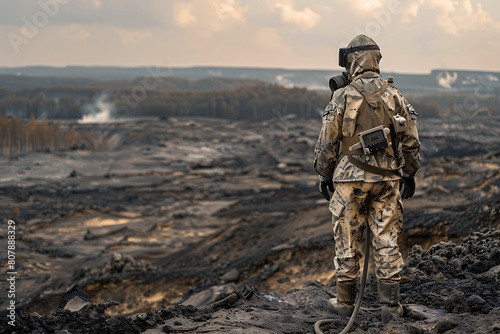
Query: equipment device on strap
x=372, y=140
x=399, y=123
x=375, y=139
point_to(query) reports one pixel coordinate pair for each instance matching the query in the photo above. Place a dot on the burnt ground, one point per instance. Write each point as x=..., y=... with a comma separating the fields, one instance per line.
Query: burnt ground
x=182, y=212
x=449, y=288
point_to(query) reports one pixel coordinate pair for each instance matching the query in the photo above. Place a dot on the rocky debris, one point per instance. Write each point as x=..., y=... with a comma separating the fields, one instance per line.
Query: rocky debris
x=448, y=288
x=458, y=278
x=77, y=314
x=116, y=269
x=122, y=263
x=450, y=260
x=76, y=293
x=455, y=221
x=210, y=295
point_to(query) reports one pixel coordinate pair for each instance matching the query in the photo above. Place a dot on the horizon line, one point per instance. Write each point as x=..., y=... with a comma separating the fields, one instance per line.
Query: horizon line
x=243, y=67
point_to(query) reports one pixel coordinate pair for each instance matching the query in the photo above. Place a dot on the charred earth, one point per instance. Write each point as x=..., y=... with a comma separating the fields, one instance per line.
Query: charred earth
x=215, y=226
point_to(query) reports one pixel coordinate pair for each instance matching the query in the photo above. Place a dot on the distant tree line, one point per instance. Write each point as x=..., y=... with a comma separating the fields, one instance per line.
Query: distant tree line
x=439, y=104
x=214, y=83
x=243, y=103
x=20, y=136
x=41, y=107
x=254, y=102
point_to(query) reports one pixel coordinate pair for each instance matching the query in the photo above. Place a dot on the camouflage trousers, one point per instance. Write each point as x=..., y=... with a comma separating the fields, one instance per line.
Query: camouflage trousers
x=379, y=203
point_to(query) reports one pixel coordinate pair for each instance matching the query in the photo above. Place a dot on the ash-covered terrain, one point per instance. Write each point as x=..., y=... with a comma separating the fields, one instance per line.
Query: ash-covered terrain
x=206, y=225
x=449, y=288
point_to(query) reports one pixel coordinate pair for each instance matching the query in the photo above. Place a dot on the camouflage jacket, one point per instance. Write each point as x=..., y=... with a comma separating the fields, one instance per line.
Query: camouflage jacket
x=340, y=115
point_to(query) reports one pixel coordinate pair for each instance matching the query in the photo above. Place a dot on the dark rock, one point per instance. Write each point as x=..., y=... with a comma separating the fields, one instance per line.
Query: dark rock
x=230, y=276
x=445, y=325
x=249, y=291
x=118, y=262
x=421, y=312
x=476, y=303
x=456, y=302
x=89, y=236
x=75, y=304
x=210, y=295
x=75, y=291
x=414, y=256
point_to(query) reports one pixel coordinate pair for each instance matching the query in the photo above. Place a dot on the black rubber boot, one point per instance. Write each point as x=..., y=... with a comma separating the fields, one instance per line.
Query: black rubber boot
x=389, y=299
x=346, y=295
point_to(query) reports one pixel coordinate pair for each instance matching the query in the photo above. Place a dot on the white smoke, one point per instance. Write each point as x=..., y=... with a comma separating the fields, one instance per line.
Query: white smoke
x=215, y=73
x=491, y=78
x=469, y=81
x=285, y=80
x=445, y=79
x=99, y=111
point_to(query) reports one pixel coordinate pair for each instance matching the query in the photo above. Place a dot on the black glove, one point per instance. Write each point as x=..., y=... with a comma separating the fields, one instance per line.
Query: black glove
x=407, y=186
x=323, y=188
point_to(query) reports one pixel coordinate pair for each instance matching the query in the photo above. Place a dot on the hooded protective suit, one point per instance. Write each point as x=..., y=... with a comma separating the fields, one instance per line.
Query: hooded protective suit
x=361, y=195
x=367, y=185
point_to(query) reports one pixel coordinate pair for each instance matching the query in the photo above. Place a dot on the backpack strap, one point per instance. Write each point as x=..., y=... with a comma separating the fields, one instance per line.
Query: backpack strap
x=373, y=98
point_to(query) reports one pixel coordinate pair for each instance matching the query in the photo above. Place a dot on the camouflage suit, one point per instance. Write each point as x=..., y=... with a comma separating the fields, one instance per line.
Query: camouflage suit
x=359, y=194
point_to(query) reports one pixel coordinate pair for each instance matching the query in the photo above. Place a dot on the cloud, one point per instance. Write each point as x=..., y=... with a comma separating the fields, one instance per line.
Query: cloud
x=306, y=18
x=122, y=13
x=268, y=38
x=183, y=15
x=209, y=16
x=412, y=10
x=229, y=10
x=75, y=31
x=366, y=5
x=132, y=36
x=268, y=33
x=455, y=17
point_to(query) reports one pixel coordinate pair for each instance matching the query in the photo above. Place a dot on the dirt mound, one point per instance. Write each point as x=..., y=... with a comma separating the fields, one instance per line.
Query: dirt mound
x=449, y=288
x=458, y=278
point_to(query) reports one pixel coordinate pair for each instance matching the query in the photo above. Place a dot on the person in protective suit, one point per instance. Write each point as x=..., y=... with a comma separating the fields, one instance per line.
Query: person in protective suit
x=369, y=147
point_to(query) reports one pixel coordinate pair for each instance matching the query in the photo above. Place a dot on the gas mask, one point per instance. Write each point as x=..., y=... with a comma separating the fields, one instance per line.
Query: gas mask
x=343, y=52
x=342, y=80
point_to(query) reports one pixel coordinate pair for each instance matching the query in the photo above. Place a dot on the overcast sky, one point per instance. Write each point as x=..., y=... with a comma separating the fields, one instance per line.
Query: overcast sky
x=415, y=36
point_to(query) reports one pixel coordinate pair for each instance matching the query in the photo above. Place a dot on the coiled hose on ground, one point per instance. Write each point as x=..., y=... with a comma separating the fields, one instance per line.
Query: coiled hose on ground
x=361, y=291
